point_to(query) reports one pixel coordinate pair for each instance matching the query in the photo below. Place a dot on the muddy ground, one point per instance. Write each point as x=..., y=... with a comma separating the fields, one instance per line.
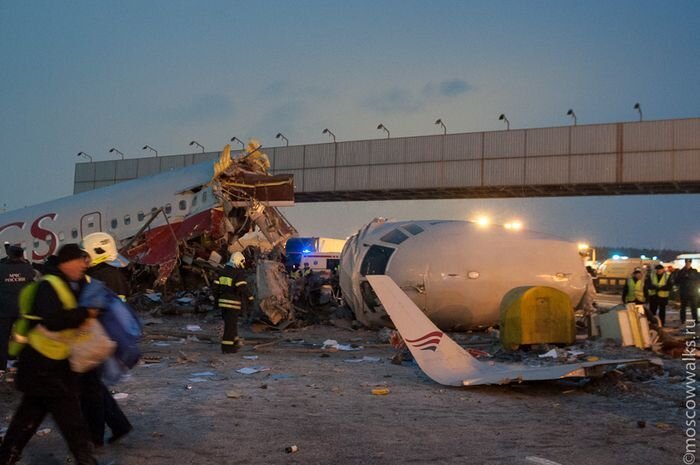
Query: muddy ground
x=322, y=404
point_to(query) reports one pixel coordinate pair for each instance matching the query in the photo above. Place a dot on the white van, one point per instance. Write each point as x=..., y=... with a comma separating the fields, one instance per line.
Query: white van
x=613, y=273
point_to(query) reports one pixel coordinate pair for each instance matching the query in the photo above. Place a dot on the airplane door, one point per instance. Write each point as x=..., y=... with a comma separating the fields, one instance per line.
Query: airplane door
x=90, y=223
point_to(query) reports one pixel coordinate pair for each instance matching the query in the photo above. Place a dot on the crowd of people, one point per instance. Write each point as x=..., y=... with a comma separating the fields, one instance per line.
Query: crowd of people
x=653, y=289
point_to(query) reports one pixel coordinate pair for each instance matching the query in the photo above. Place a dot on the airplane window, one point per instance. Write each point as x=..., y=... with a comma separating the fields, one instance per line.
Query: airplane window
x=413, y=228
x=91, y=225
x=61, y=236
x=49, y=239
x=154, y=209
x=376, y=260
x=168, y=208
x=183, y=204
x=194, y=201
x=114, y=223
x=127, y=219
x=36, y=244
x=204, y=196
x=140, y=216
x=74, y=233
x=394, y=237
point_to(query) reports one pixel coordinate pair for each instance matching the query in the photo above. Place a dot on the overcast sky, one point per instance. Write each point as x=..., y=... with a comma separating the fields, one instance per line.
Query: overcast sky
x=91, y=75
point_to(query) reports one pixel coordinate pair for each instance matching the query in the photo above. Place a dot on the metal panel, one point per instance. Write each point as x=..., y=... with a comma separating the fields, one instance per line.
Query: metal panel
x=172, y=162
x=508, y=171
x=387, y=177
x=352, y=178
x=548, y=141
x=598, y=138
x=320, y=155
x=501, y=144
x=127, y=169
x=592, y=169
x=269, y=152
x=105, y=170
x=319, y=179
x=463, y=146
x=686, y=134
x=686, y=165
x=461, y=173
x=426, y=148
x=79, y=187
x=298, y=178
x=547, y=170
x=289, y=158
x=388, y=151
x=148, y=166
x=648, y=135
x=423, y=175
x=84, y=172
x=201, y=157
x=99, y=184
x=354, y=153
x=647, y=167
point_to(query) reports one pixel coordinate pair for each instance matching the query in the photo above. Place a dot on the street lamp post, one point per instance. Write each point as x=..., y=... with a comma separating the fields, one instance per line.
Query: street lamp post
x=328, y=131
x=638, y=107
x=83, y=154
x=194, y=142
x=148, y=147
x=113, y=150
x=281, y=136
x=440, y=123
x=236, y=139
x=503, y=118
x=572, y=114
x=384, y=128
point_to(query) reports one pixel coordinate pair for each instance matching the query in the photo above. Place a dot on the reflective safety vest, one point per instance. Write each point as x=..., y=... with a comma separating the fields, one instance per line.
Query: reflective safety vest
x=635, y=291
x=53, y=345
x=230, y=293
x=656, y=283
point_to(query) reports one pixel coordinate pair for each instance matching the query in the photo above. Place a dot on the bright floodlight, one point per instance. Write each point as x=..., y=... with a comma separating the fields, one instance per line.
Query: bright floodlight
x=583, y=246
x=483, y=221
x=516, y=225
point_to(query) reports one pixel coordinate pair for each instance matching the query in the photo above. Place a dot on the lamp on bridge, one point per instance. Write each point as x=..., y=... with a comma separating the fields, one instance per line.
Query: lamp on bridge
x=328, y=131
x=503, y=118
x=83, y=154
x=572, y=114
x=113, y=150
x=148, y=147
x=444, y=128
x=194, y=142
x=236, y=139
x=281, y=136
x=381, y=127
x=638, y=107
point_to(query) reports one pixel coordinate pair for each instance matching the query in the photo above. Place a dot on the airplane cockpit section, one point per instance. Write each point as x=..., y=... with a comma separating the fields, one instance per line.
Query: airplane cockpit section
x=456, y=272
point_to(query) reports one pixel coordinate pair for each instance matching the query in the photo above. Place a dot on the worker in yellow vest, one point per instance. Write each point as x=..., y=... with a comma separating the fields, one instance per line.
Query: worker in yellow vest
x=635, y=290
x=49, y=318
x=659, y=288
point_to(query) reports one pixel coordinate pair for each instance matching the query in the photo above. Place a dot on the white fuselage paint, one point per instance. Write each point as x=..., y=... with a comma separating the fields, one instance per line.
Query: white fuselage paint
x=457, y=272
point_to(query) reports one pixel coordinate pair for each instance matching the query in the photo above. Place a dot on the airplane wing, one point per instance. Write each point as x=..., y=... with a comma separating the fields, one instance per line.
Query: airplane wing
x=446, y=362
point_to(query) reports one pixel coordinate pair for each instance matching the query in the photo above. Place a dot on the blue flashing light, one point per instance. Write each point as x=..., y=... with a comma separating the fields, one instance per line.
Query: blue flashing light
x=616, y=257
x=305, y=251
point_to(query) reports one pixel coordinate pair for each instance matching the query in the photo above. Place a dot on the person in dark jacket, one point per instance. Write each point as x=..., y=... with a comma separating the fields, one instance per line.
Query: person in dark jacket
x=98, y=405
x=44, y=375
x=659, y=286
x=15, y=273
x=688, y=280
x=232, y=297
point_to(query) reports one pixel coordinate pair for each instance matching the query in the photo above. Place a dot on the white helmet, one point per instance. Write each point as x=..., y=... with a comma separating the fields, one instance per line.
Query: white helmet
x=102, y=248
x=237, y=260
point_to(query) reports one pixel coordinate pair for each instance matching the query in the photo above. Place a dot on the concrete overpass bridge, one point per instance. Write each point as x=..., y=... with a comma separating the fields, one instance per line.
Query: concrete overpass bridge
x=650, y=157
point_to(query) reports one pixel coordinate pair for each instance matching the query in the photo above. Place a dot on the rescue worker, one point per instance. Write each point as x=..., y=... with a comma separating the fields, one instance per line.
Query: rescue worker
x=688, y=280
x=635, y=290
x=232, y=298
x=98, y=405
x=15, y=273
x=44, y=375
x=659, y=288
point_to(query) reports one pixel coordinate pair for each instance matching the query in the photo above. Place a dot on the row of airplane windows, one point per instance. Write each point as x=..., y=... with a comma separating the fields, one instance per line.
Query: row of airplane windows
x=114, y=222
